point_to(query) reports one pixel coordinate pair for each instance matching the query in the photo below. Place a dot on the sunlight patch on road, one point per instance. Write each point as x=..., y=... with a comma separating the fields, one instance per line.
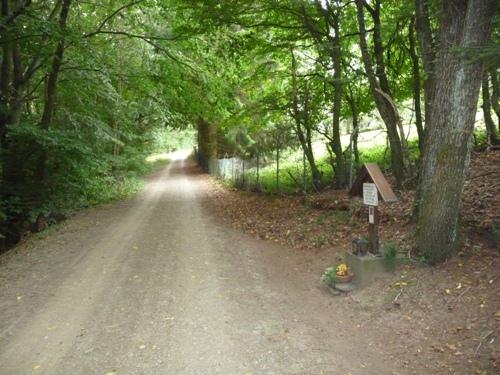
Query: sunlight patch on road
x=164, y=156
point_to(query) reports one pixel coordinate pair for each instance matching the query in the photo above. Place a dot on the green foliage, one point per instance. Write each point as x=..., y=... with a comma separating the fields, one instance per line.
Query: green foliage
x=290, y=166
x=390, y=252
x=118, y=98
x=330, y=276
x=291, y=177
x=136, y=77
x=382, y=156
x=168, y=139
x=480, y=138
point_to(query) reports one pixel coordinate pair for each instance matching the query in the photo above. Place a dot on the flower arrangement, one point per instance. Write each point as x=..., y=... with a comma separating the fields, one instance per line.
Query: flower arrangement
x=344, y=274
x=342, y=269
x=338, y=274
x=330, y=276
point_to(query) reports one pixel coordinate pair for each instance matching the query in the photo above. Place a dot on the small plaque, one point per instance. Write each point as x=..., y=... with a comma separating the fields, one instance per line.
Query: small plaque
x=370, y=194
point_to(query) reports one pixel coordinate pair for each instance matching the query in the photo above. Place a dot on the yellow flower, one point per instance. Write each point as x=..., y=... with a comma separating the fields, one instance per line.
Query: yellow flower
x=342, y=269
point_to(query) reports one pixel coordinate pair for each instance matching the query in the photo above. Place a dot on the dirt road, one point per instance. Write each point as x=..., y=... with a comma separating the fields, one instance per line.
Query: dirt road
x=156, y=286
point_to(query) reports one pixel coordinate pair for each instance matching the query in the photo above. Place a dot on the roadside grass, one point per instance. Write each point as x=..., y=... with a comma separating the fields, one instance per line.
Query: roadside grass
x=130, y=182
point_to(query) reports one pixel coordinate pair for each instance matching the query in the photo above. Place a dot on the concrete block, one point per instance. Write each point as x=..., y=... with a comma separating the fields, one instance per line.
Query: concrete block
x=367, y=267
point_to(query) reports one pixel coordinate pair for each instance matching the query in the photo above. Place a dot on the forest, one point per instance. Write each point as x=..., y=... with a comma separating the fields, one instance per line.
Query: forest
x=247, y=187
x=90, y=89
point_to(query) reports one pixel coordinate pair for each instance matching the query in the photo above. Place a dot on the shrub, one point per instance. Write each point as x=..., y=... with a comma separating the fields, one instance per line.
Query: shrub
x=390, y=252
x=330, y=276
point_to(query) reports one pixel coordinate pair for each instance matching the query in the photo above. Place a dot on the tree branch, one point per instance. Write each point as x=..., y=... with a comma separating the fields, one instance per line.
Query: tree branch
x=11, y=17
x=109, y=17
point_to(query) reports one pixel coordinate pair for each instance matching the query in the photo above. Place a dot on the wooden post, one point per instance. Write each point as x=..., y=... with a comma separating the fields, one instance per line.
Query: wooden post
x=370, y=198
x=373, y=221
x=371, y=184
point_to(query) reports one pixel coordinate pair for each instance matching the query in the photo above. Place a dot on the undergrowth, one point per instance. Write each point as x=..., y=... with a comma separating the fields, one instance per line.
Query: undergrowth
x=291, y=173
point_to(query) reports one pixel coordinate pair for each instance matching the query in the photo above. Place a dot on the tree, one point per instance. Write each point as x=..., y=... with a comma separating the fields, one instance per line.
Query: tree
x=465, y=25
x=301, y=114
x=379, y=86
x=491, y=131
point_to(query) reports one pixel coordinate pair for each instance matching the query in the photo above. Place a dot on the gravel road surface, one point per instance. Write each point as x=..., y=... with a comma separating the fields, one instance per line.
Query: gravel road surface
x=155, y=285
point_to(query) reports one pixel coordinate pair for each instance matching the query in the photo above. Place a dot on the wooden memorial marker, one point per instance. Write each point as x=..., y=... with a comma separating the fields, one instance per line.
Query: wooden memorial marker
x=370, y=184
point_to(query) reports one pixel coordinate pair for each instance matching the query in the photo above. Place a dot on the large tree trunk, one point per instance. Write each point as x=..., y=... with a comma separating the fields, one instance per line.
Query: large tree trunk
x=464, y=26
x=381, y=93
x=207, y=145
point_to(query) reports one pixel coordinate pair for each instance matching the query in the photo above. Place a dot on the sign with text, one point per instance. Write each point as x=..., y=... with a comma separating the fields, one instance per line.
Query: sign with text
x=370, y=194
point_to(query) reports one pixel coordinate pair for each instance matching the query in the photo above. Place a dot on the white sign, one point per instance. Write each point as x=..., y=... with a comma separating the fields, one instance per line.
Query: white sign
x=370, y=194
x=371, y=215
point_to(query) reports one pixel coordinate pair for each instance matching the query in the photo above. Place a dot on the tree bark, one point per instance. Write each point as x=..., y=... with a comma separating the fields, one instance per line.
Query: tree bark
x=464, y=26
x=355, y=126
x=383, y=100
x=491, y=131
x=416, y=86
x=354, y=135
x=427, y=47
x=207, y=145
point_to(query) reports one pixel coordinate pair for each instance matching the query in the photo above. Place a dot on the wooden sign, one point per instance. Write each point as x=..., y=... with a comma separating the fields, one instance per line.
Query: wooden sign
x=370, y=172
x=370, y=194
x=371, y=183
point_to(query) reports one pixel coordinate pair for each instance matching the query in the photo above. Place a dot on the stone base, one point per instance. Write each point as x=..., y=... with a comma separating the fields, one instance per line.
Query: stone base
x=345, y=287
x=367, y=267
x=332, y=290
x=338, y=288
